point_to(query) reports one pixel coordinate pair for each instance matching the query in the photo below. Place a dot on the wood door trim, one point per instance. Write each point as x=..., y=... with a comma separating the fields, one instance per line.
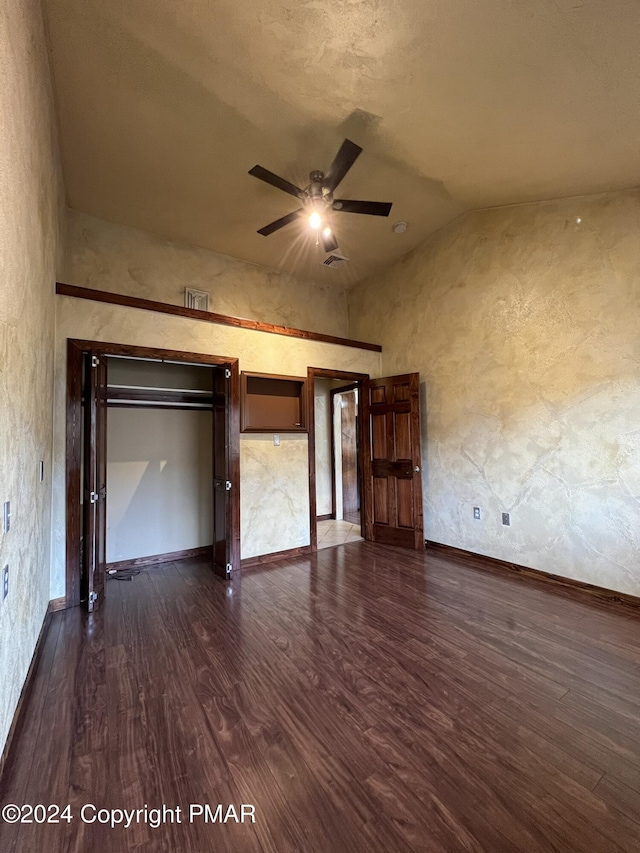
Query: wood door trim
x=73, y=454
x=328, y=373
x=169, y=557
x=332, y=451
x=94, y=515
x=73, y=526
x=132, y=351
x=111, y=298
x=234, y=462
x=275, y=556
x=314, y=373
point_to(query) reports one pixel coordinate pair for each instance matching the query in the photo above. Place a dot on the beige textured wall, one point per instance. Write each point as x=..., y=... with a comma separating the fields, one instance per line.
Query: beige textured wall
x=124, y=260
x=31, y=200
x=274, y=509
x=274, y=480
x=524, y=325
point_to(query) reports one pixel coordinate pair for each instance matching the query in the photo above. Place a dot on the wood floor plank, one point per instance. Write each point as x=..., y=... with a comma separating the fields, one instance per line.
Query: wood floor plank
x=620, y=796
x=362, y=699
x=14, y=784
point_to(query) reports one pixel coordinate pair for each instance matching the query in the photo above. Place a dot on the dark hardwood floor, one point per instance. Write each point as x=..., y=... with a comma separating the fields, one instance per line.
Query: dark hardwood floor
x=362, y=699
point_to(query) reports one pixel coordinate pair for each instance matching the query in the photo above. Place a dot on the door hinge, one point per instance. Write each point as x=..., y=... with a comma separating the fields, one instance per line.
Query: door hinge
x=227, y=373
x=93, y=497
x=227, y=485
x=95, y=361
x=228, y=569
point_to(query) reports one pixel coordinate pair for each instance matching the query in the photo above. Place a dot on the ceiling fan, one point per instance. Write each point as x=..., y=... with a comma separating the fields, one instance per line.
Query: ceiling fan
x=317, y=198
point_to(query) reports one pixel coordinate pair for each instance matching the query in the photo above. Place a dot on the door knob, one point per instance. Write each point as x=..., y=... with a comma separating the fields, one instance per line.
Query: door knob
x=417, y=469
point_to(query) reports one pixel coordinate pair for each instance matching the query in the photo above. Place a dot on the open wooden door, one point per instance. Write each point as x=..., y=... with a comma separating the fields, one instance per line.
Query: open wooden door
x=94, y=537
x=222, y=483
x=393, y=461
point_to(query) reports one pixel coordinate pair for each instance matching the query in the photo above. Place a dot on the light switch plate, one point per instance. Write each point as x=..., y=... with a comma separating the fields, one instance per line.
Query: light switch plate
x=506, y=518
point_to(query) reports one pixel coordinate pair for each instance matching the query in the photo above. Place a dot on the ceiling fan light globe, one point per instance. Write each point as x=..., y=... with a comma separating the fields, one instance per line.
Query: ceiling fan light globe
x=315, y=220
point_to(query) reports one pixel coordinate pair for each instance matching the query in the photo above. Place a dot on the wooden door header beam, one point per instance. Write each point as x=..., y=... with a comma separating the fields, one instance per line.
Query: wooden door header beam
x=207, y=316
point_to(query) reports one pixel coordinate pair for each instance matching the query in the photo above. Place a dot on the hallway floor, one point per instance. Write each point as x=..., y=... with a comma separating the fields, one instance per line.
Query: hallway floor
x=363, y=700
x=332, y=533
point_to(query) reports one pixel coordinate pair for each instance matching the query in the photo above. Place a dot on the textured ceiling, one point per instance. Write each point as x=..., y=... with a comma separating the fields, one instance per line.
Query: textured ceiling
x=165, y=106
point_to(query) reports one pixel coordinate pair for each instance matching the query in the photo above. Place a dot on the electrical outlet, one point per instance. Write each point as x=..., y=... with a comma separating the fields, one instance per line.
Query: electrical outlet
x=7, y=516
x=476, y=512
x=5, y=582
x=506, y=518
x=276, y=441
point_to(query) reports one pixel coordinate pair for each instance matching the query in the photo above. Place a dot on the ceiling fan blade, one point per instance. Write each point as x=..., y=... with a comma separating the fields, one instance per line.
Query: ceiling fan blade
x=275, y=181
x=345, y=158
x=329, y=242
x=372, y=208
x=280, y=223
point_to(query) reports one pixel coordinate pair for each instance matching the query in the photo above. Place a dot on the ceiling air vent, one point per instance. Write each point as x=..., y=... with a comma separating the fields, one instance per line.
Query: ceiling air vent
x=335, y=261
x=198, y=299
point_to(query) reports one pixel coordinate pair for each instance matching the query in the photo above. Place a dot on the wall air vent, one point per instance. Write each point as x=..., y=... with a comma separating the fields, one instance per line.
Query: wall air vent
x=198, y=299
x=335, y=261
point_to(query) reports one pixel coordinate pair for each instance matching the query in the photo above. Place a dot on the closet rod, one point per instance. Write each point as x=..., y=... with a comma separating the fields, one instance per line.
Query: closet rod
x=135, y=358
x=165, y=361
x=192, y=364
x=143, y=404
x=162, y=389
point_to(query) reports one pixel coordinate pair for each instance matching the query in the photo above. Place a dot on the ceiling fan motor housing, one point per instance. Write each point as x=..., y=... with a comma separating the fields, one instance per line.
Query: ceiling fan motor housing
x=315, y=190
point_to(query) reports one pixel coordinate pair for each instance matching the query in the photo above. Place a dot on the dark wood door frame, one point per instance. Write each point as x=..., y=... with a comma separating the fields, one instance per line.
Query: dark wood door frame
x=74, y=425
x=94, y=487
x=357, y=379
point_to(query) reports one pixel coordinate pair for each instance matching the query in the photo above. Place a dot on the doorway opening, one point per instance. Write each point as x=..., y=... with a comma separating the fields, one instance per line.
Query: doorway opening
x=160, y=428
x=335, y=457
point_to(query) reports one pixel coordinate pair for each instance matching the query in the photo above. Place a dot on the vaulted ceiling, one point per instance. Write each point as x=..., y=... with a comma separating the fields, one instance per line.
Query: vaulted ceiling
x=164, y=106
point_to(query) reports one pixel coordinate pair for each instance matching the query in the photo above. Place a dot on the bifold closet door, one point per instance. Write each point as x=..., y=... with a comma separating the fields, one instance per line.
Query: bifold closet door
x=221, y=473
x=94, y=534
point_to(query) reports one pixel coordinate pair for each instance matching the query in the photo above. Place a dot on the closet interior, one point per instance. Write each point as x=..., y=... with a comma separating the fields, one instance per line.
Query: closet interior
x=159, y=444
